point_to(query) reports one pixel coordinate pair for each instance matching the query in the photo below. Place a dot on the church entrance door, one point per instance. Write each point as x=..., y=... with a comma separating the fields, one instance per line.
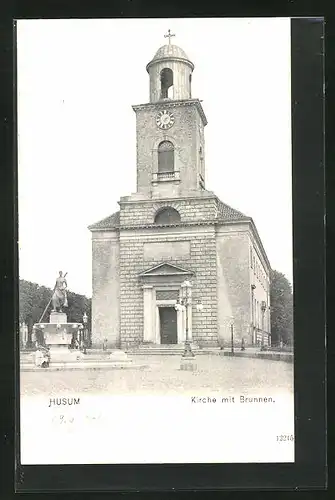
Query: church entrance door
x=168, y=325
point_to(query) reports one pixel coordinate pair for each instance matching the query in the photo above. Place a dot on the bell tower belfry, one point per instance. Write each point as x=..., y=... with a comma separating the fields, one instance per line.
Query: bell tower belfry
x=170, y=73
x=170, y=129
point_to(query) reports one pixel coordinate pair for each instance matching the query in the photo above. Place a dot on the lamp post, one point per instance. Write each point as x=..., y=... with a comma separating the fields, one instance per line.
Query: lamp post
x=269, y=324
x=186, y=301
x=187, y=362
x=85, y=332
x=232, y=337
x=23, y=335
x=263, y=309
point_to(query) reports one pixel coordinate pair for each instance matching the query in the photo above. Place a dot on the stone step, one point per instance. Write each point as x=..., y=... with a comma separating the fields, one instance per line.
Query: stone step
x=267, y=355
x=163, y=346
x=80, y=365
x=165, y=352
x=99, y=354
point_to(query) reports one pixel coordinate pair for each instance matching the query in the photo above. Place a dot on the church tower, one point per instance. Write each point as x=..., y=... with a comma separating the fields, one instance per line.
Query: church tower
x=173, y=231
x=170, y=129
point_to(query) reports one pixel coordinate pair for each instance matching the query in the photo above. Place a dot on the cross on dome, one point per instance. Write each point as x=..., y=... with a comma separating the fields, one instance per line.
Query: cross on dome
x=169, y=35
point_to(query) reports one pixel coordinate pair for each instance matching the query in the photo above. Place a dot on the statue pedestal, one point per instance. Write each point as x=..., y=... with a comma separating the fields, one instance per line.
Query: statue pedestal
x=58, y=340
x=188, y=363
x=58, y=317
x=58, y=335
x=61, y=353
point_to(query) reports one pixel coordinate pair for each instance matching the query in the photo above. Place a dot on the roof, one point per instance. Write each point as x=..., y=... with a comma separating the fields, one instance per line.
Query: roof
x=167, y=51
x=111, y=222
x=225, y=213
x=170, y=52
x=228, y=213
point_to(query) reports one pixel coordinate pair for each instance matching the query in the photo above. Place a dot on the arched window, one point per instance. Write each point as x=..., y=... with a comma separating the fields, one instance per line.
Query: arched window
x=166, y=77
x=165, y=157
x=167, y=215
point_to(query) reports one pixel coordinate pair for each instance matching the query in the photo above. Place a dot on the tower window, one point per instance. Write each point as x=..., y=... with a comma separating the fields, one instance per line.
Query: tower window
x=166, y=76
x=165, y=157
x=167, y=215
x=190, y=84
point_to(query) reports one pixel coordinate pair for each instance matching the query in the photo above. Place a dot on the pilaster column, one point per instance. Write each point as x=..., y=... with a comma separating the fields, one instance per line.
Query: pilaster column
x=148, y=314
x=189, y=319
x=181, y=326
x=157, y=325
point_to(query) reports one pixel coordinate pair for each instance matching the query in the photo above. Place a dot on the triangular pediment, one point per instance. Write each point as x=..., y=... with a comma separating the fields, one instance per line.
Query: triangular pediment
x=166, y=269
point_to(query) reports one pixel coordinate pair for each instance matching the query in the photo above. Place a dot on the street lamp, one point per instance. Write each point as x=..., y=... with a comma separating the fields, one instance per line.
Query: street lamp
x=268, y=324
x=183, y=305
x=186, y=301
x=85, y=332
x=232, y=337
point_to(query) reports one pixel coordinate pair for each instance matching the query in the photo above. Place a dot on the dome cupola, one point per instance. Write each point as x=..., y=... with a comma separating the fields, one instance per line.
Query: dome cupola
x=170, y=73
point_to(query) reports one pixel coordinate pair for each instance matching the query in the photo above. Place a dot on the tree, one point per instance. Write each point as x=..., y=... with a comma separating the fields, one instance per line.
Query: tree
x=281, y=300
x=33, y=299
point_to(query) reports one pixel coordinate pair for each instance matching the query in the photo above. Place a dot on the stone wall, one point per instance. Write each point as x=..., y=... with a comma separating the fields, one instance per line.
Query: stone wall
x=219, y=257
x=131, y=293
x=190, y=209
x=105, y=288
x=202, y=262
x=232, y=245
x=186, y=140
x=260, y=278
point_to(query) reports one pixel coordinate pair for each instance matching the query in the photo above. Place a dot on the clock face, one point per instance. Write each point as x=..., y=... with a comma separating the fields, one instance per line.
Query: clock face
x=164, y=119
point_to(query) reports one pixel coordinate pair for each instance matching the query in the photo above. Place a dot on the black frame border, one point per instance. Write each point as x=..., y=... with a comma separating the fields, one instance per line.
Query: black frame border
x=309, y=470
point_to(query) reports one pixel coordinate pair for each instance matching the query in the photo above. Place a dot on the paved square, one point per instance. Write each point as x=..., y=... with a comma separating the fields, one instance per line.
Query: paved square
x=163, y=376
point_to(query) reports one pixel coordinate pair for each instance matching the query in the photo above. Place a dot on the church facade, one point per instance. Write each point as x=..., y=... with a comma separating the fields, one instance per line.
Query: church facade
x=173, y=229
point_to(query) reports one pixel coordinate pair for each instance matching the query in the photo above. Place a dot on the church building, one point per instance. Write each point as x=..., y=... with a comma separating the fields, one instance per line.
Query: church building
x=174, y=230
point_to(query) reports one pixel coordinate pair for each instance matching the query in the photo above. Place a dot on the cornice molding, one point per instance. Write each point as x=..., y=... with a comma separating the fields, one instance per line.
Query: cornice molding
x=209, y=222
x=173, y=104
x=255, y=234
x=168, y=201
x=159, y=60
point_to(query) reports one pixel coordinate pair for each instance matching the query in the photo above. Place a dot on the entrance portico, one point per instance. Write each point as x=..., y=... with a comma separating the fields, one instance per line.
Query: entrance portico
x=163, y=324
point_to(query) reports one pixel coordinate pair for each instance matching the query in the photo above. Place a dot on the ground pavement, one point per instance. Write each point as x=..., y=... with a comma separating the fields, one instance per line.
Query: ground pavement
x=162, y=375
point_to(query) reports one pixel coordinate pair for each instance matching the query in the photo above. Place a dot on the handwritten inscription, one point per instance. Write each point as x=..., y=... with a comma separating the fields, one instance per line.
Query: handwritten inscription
x=71, y=419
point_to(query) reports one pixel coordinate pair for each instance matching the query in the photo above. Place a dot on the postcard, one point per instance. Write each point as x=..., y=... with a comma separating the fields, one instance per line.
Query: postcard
x=155, y=241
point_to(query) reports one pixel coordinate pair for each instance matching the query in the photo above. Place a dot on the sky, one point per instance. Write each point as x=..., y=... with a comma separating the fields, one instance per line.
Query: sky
x=77, y=80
